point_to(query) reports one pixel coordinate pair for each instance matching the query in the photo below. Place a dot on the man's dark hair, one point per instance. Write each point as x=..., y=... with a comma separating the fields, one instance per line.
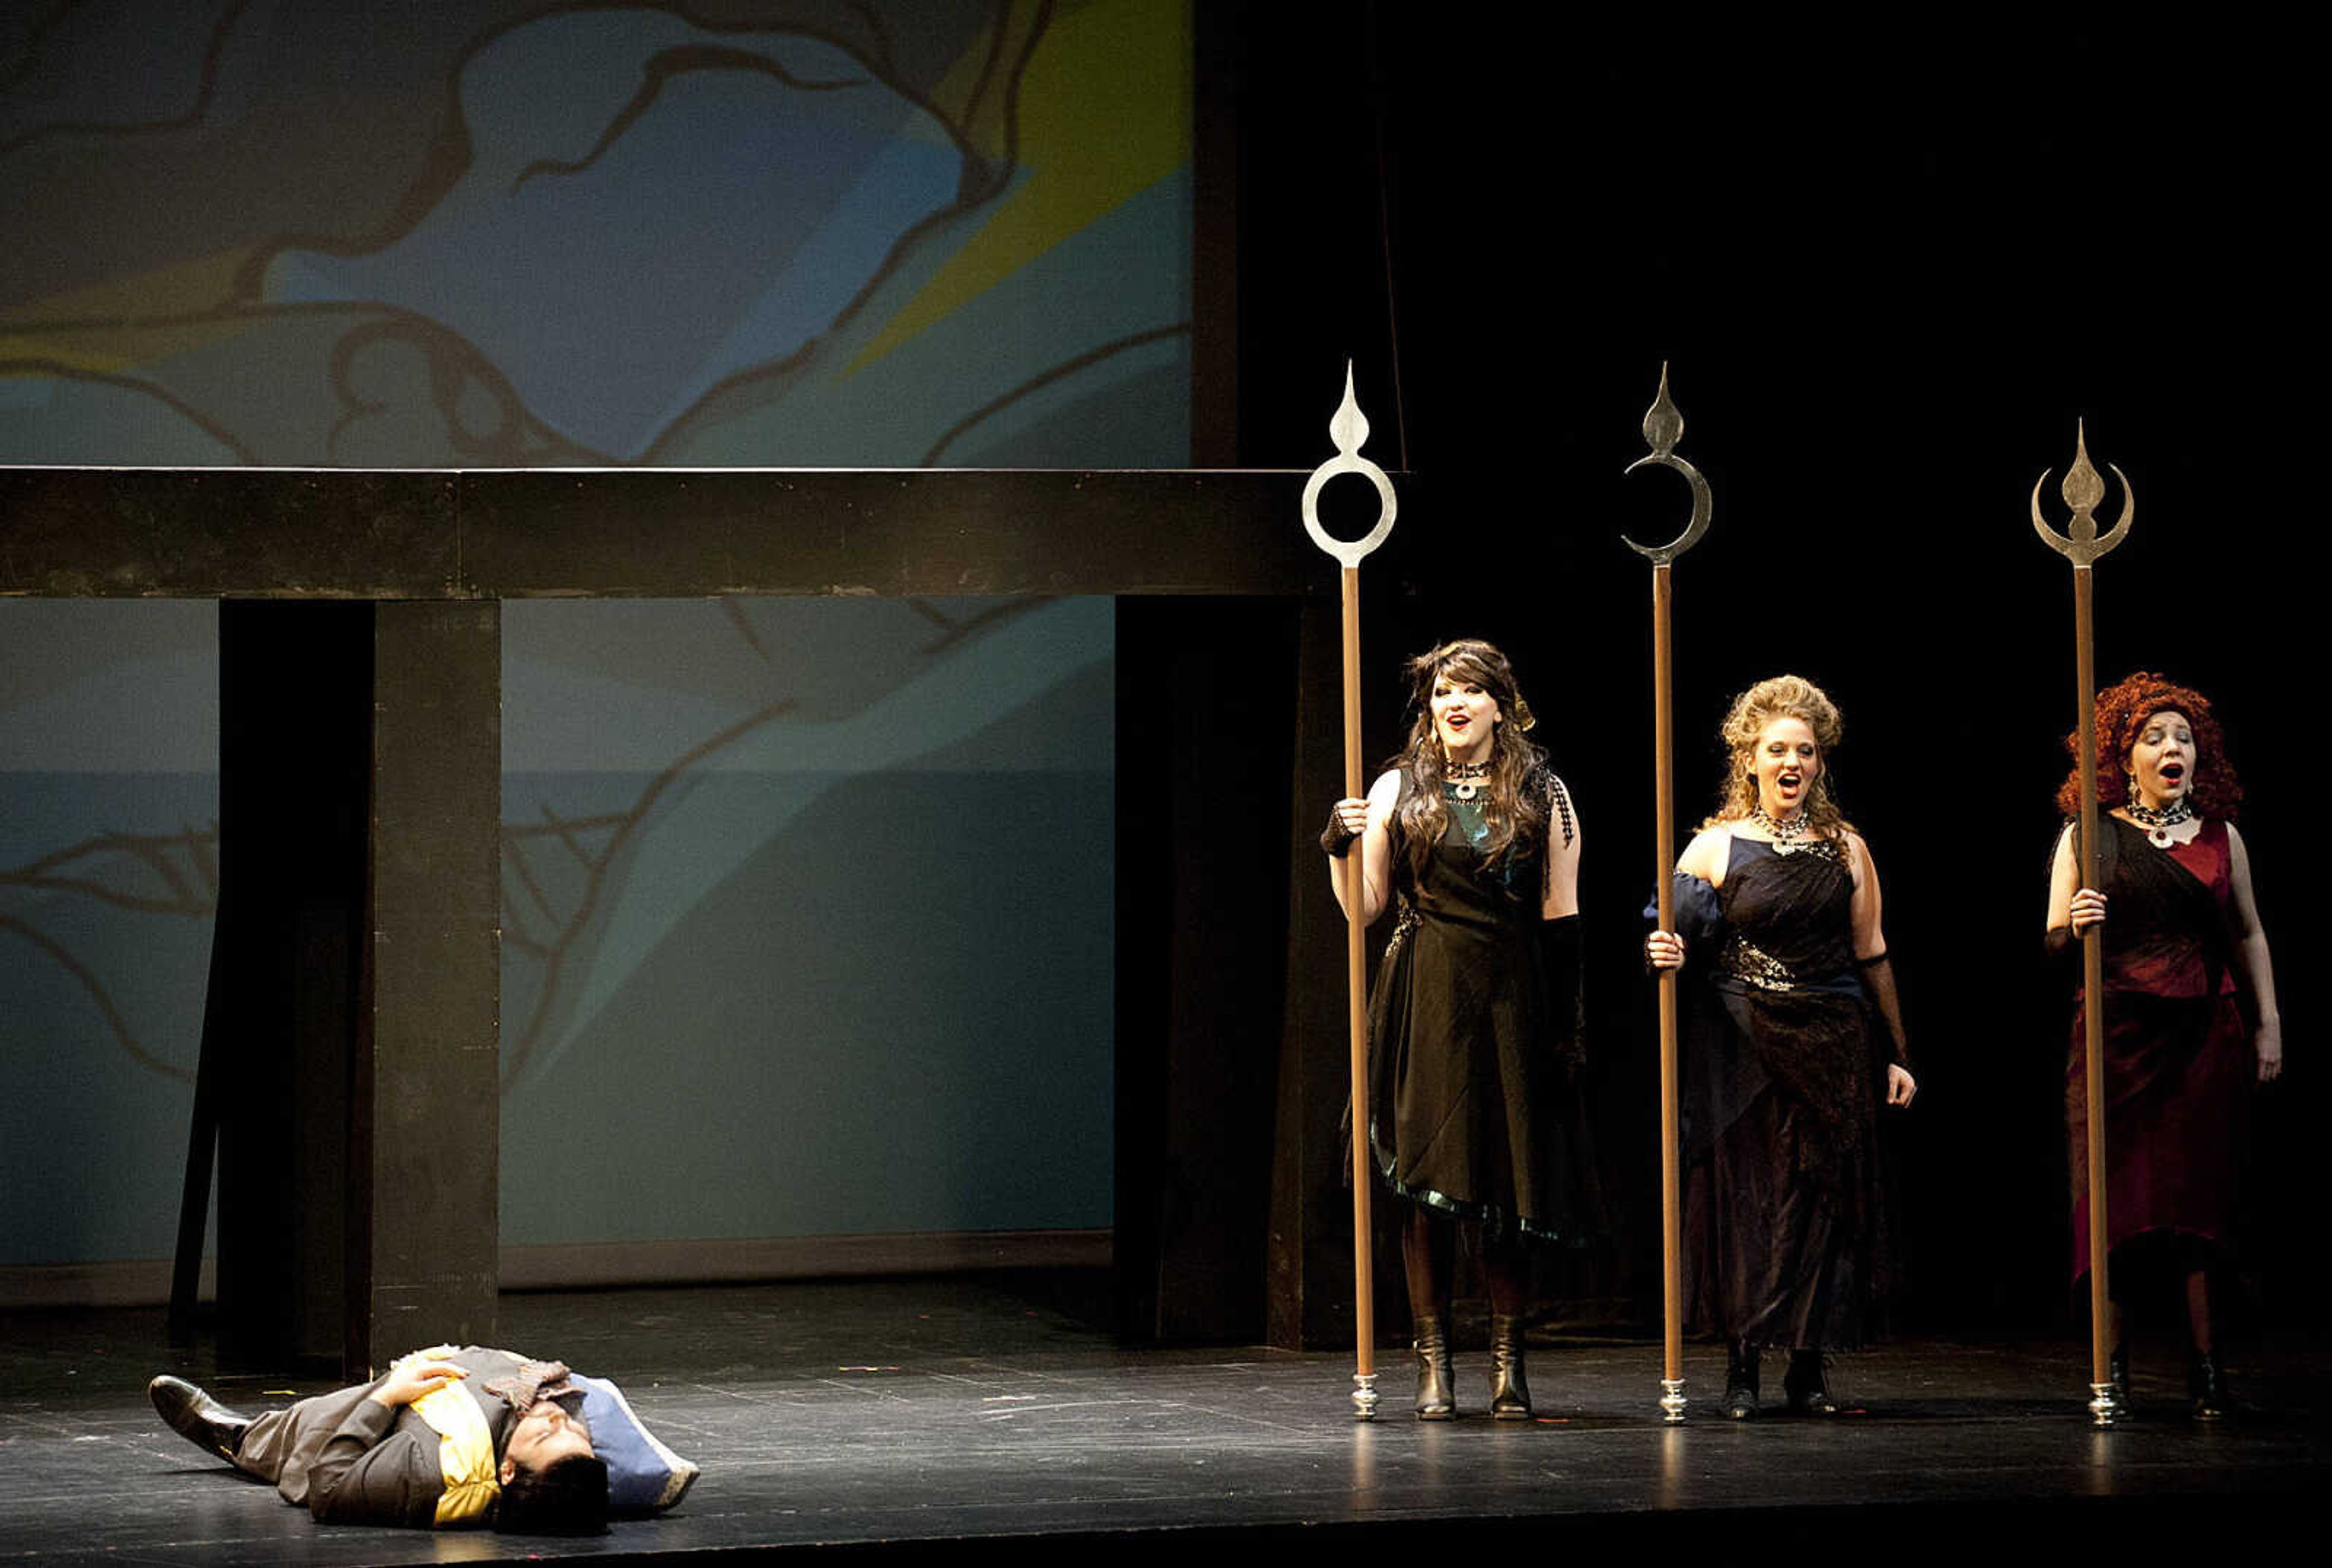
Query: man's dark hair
x=567, y=1497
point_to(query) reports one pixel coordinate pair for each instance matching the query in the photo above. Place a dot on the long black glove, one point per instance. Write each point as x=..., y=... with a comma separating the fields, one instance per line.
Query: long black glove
x=1879, y=978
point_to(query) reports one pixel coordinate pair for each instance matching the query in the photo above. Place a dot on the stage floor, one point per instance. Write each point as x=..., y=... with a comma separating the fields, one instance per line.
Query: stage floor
x=906, y=1417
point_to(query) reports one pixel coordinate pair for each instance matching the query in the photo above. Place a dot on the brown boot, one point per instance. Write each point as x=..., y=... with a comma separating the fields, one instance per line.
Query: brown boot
x=1437, y=1400
x=1807, y=1384
x=1740, y=1381
x=2206, y=1384
x=1510, y=1398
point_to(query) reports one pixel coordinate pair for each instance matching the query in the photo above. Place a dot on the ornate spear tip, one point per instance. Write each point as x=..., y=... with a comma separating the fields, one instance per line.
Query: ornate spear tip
x=1663, y=425
x=2084, y=487
x=1350, y=428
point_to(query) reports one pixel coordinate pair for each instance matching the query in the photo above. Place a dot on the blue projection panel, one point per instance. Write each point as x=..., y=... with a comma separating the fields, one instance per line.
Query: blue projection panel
x=809, y=902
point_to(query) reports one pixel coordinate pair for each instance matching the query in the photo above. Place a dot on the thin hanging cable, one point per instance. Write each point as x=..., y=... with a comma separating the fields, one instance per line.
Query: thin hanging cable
x=1384, y=248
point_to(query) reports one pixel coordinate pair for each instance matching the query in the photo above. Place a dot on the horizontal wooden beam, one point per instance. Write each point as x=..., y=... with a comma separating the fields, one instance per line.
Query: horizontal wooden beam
x=649, y=533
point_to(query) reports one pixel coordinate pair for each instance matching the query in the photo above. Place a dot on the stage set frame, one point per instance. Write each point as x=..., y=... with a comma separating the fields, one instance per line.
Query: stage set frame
x=351, y=1028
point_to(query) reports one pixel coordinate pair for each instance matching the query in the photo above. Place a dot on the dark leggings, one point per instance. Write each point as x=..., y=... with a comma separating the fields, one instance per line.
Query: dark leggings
x=1429, y=1257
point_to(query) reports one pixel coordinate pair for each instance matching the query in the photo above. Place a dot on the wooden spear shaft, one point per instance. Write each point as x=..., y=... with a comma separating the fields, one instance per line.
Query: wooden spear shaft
x=2082, y=544
x=1664, y=832
x=1663, y=428
x=2093, y=973
x=1349, y=429
x=1356, y=964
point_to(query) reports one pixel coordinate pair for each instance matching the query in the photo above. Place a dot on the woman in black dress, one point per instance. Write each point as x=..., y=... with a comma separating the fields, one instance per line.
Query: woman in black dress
x=2191, y=1019
x=1474, y=1020
x=1793, y=1044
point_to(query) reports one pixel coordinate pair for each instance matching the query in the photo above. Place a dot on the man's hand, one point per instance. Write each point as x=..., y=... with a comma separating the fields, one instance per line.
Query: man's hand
x=414, y=1379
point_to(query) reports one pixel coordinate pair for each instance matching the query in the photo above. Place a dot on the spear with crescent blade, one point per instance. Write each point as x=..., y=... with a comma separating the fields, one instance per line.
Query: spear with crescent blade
x=2084, y=490
x=1350, y=429
x=1663, y=428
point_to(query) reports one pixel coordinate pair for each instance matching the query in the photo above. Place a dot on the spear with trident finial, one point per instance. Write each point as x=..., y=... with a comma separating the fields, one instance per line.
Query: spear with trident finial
x=1349, y=429
x=2083, y=490
x=1663, y=428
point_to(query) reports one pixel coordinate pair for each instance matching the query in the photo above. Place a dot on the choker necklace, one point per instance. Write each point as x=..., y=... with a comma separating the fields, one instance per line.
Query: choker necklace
x=1786, y=833
x=1463, y=777
x=2159, y=824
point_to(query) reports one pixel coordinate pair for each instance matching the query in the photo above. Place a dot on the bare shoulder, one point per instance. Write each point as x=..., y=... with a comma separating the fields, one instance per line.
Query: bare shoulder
x=2238, y=854
x=1858, y=853
x=1705, y=855
x=1711, y=839
x=1387, y=788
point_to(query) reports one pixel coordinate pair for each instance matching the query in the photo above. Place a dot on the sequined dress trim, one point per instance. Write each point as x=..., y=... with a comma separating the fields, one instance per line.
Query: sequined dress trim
x=1746, y=962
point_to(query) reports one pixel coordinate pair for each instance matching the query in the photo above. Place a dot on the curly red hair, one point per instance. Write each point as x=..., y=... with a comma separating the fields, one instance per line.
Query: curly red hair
x=2122, y=712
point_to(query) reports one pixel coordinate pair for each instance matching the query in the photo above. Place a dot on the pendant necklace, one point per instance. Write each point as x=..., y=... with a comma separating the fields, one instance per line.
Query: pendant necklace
x=1788, y=832
x=2159, y=824
x=1463, y=779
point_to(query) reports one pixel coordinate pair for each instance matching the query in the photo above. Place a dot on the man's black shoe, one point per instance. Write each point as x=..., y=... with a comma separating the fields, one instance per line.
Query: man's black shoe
x=196, y=1417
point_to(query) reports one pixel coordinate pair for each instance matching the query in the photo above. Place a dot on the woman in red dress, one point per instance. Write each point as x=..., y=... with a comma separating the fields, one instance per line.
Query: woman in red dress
x=2191, y=1015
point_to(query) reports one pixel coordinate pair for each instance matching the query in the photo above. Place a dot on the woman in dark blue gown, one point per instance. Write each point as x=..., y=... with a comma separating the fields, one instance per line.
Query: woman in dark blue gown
x=1793, y=1041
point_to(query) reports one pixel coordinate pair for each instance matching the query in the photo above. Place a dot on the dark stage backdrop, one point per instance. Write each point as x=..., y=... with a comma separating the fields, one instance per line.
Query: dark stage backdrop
x=1889, y=266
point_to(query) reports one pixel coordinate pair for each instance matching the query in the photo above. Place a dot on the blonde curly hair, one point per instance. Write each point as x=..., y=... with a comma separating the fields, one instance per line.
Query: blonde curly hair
x=1753, y=713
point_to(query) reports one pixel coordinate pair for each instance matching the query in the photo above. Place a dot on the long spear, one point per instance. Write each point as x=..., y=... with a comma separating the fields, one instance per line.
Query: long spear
x=2083, y=490
x=1349, y=429
x=1663, y=428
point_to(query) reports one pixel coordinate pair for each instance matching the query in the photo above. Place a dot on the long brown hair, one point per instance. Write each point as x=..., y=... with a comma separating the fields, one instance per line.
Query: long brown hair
x=2123, y=710
x=1753, y=713
x=1513, y=814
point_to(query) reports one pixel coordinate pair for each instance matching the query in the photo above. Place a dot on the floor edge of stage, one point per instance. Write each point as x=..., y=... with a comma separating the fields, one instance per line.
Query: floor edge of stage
x=901, y=1420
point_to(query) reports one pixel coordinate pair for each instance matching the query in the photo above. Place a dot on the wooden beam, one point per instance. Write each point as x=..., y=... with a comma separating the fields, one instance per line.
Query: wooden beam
x=426, y=1191
x=646, y=533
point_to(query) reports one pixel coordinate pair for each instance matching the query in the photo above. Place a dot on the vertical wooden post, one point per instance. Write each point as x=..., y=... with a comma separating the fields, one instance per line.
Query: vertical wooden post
x=281, y=1024
x=424, y=1197
x=1310, y=1265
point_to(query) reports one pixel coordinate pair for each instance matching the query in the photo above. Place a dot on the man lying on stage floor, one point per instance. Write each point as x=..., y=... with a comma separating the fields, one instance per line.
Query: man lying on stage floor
x=448, y=1437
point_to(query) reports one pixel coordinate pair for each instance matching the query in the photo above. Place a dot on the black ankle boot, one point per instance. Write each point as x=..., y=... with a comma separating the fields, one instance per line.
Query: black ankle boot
x=1436, y=1401
x=2117, y=1379
x=196, y=1417
x=2206, y=1384
x=1740, y=1381
x=1807, y=1384
x=1510, y=1398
